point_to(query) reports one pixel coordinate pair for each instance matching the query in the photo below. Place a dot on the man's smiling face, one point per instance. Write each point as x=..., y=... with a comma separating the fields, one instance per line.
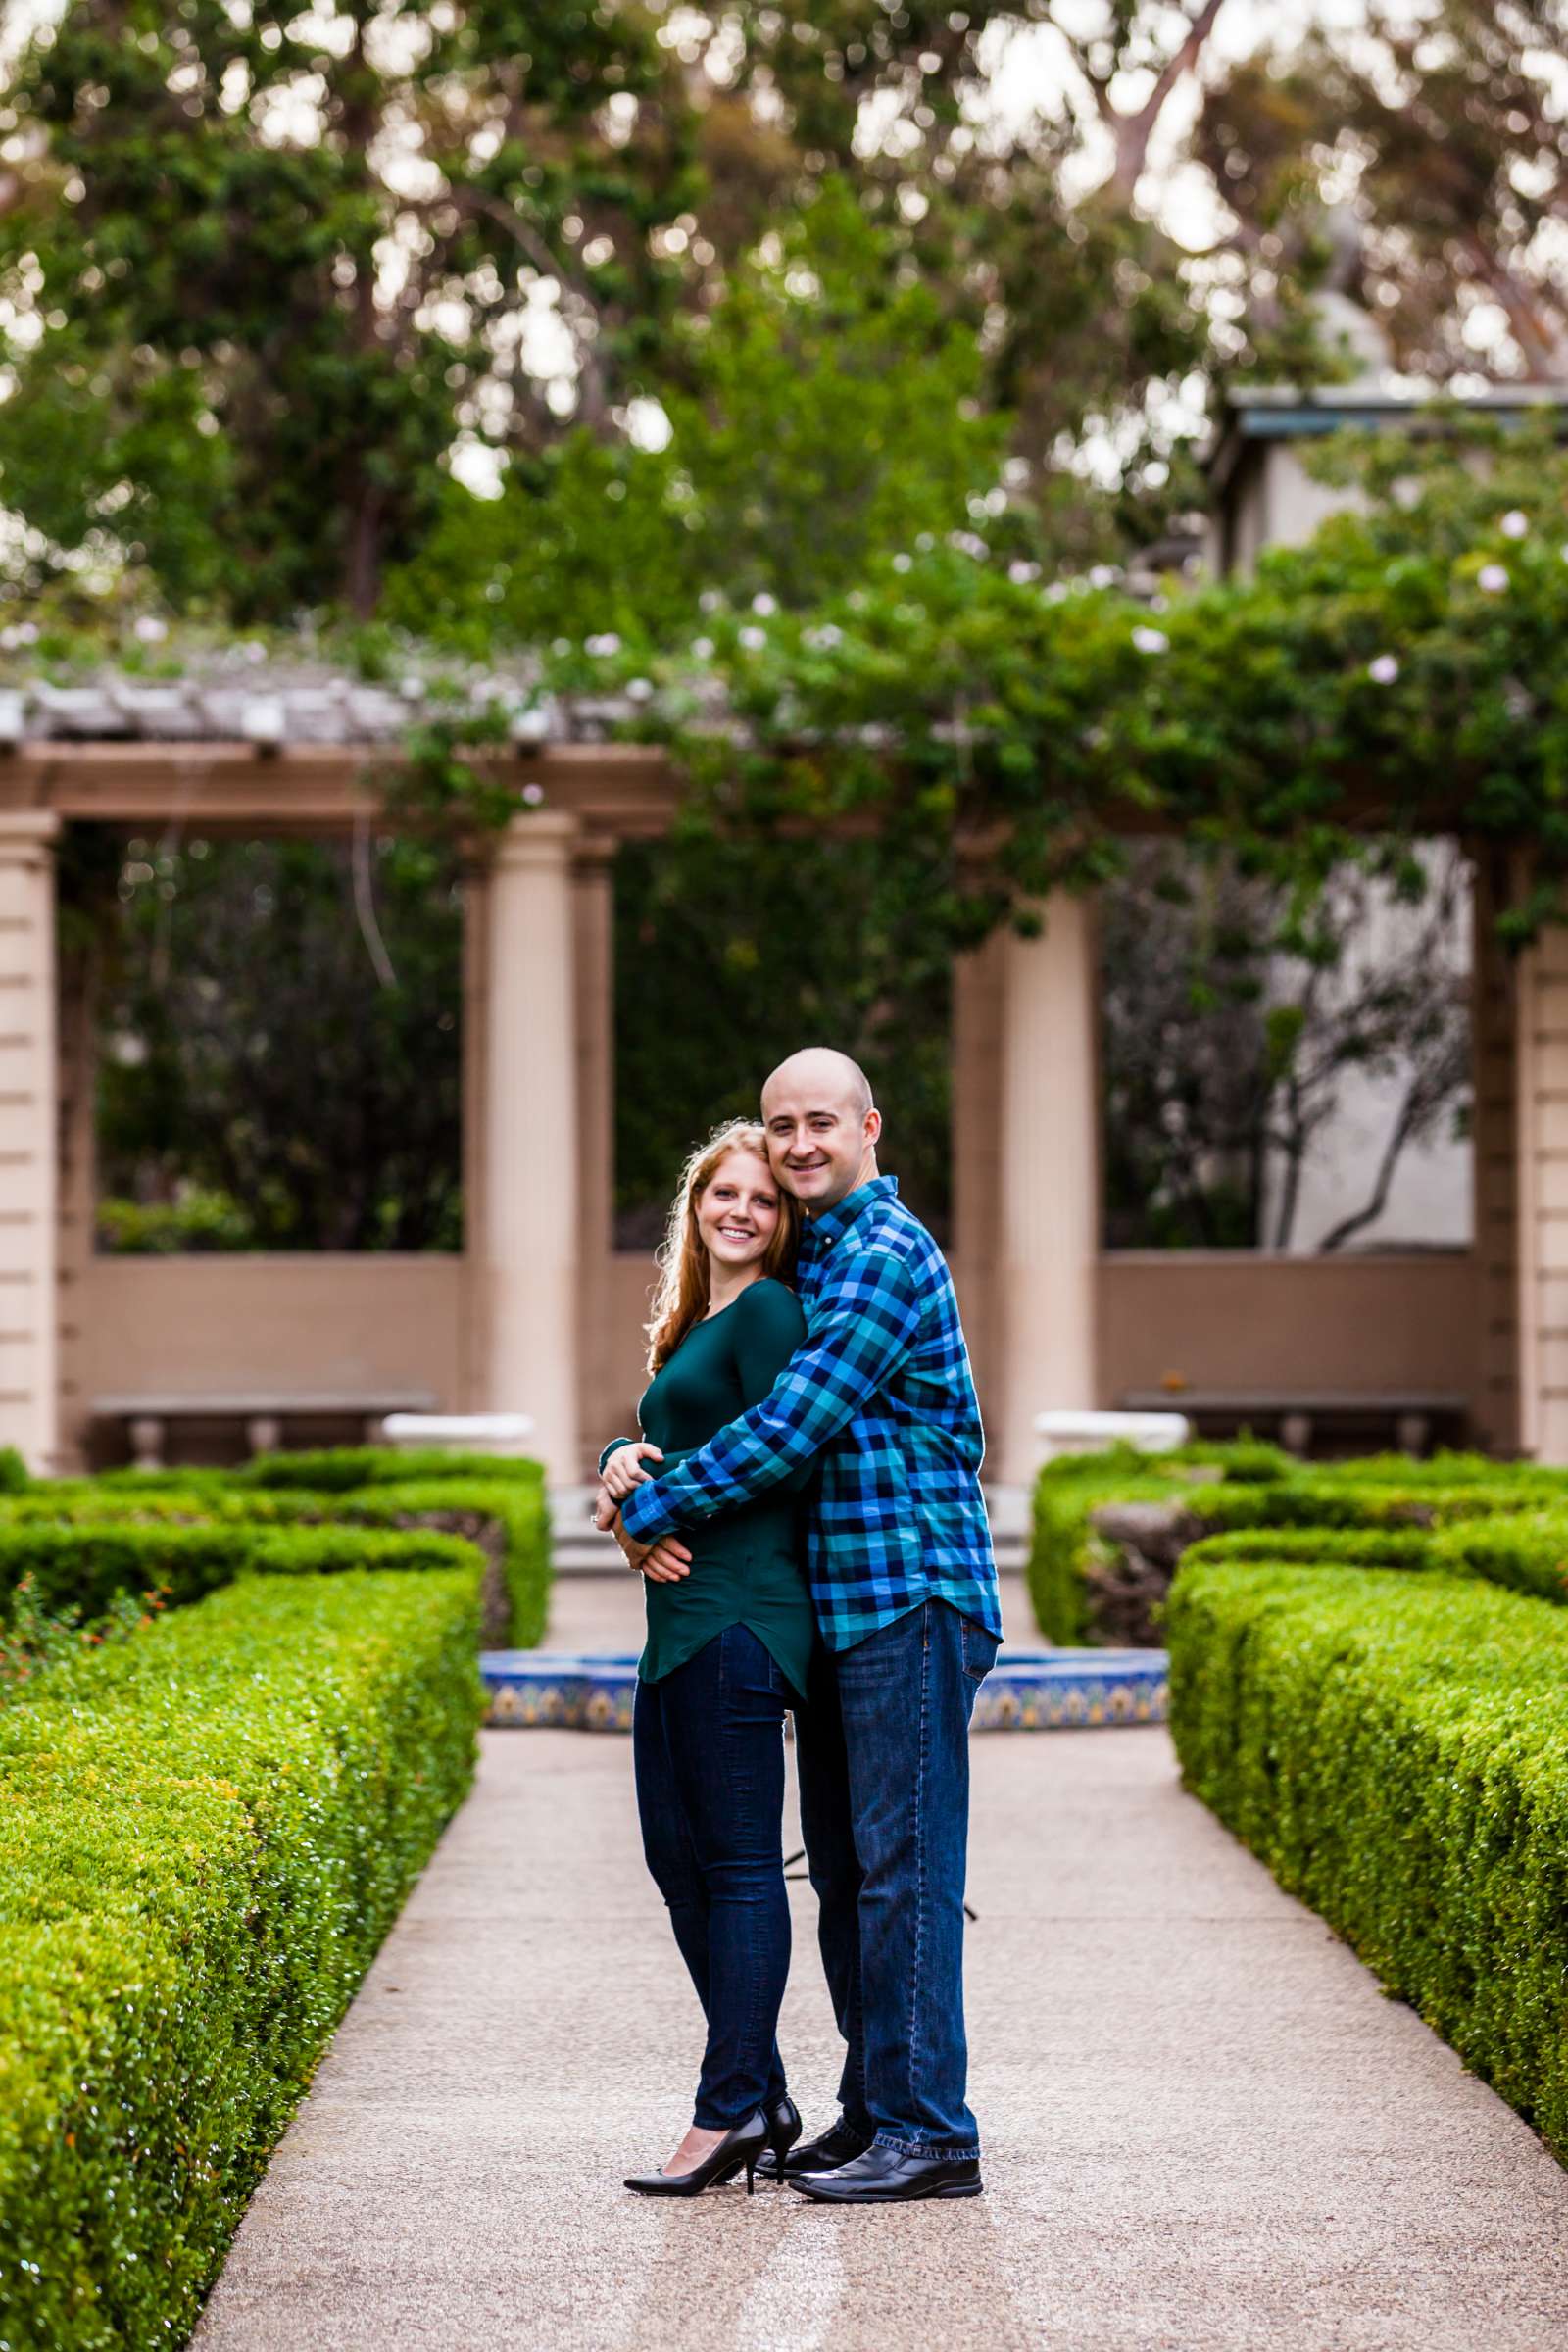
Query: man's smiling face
x=821, y=1127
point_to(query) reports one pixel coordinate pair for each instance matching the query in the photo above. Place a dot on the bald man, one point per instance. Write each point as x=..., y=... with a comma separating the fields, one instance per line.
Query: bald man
x=905, y=1586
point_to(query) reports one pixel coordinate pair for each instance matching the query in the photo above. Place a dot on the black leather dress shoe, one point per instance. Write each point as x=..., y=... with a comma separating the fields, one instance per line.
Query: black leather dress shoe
x=887, y=2177
x=822, y=2155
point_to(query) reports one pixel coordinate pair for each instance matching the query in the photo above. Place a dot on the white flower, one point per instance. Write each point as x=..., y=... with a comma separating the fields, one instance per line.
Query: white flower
x=151, y=630
x=1104, y=575
x=712, y=600
x=1493, y=579
x=969, y=543
x=822, y=640
x=764, y=603
x=925, y=542
x=606, y=642
x=702, y=648
x=902, y=562
x=1056, y=592
x=27, y=632
x=1021, y=573
x=754, y=640
x=1151, y=641
x=533, y=793
x=560, y=647
x=1384, y=671
x=255, y=649
x=1515, y=526
x=640, y=689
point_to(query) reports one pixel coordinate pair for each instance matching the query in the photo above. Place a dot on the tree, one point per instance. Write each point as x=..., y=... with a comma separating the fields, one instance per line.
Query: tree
x=267, y=270
x=1443, y=137
x=1231, y=1033
x=829, y=413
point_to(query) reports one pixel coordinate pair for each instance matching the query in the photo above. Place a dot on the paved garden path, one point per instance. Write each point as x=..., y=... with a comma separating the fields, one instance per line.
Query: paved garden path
x=1206, y=2128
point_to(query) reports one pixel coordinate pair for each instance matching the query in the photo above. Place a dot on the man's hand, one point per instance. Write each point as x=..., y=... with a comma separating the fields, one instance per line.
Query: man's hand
x=663, y=1564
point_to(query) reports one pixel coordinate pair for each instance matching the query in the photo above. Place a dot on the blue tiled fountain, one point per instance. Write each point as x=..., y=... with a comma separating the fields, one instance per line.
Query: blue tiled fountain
x=1027, y=1690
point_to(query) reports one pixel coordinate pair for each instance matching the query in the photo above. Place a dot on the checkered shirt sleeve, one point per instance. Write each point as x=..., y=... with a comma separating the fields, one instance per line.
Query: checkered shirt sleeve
x=865, y=1319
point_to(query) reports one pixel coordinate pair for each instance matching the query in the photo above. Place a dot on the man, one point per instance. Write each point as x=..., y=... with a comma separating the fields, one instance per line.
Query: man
x=905, y=1586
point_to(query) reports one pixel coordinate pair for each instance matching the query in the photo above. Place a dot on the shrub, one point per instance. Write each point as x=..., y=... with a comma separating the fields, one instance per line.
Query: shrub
x=1318, y=1546
x=207, y=1830
x=1527, y=1552
x=84, y=1566
x=333, y=1470
x=508, y=1517
x=1396, y=1749
x=1064, y=1551
x=1110, y=1528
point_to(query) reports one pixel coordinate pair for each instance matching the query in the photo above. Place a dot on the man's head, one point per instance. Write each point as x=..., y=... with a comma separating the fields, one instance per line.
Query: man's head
x=821, y=1126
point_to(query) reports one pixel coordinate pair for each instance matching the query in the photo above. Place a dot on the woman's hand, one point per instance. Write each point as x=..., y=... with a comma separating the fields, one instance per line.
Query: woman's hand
x=624, y=1470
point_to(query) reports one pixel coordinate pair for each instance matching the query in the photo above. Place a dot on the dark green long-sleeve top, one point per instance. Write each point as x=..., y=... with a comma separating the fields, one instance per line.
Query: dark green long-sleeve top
x=747, y=1565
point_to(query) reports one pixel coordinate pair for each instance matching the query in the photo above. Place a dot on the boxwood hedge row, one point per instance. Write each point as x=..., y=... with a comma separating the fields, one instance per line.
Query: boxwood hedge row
x=207, y=1830
x=1524, y=1551
x=1396, y=1749
x=1110, y=1528
x=83, y=1565
x=499, y=1504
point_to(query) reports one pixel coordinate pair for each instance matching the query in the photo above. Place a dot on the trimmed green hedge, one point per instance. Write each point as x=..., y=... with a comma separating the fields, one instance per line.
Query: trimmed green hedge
x=1110, y=1528
x=207, y=1832
x=1319, y=1547
x=1396, y=1749
x=507, y=1515
x=1524, y=1551
x=332, y=1470
x=84, y=1566
x=1527, y=1552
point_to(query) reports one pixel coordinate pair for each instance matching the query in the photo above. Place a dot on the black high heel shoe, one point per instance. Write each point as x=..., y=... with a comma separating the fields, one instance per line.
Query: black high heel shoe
x=783, y=2119
x=741, y=2146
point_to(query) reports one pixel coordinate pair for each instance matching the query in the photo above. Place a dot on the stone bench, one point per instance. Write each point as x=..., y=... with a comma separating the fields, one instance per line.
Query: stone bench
x=1408, y=1417
x=262, y=1411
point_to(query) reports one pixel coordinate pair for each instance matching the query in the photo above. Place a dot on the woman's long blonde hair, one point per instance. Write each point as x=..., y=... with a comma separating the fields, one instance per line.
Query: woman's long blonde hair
x=682, y=1296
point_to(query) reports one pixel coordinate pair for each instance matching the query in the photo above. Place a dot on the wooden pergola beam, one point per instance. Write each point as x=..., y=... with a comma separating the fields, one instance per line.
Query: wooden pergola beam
x=618, y=790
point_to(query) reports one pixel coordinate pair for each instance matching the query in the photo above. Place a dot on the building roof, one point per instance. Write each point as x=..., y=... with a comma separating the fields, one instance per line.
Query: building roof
x=235, y=697
x=1251, y=413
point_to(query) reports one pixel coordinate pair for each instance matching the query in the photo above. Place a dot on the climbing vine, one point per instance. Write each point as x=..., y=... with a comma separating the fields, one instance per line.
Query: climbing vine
x=1001, y=733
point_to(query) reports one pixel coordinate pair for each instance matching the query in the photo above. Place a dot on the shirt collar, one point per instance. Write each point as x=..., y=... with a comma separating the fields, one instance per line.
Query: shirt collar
x=821, y=1232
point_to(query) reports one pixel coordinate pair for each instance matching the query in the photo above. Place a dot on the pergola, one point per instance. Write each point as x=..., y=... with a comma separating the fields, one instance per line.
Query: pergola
x=541, y=1315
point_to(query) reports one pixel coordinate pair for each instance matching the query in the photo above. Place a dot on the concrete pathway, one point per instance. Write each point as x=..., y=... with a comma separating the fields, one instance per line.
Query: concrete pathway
x=1206, y=2129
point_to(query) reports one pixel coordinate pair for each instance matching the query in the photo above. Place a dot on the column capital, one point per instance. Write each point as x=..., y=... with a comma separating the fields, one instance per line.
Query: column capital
x=27, y=836
x=538, y=837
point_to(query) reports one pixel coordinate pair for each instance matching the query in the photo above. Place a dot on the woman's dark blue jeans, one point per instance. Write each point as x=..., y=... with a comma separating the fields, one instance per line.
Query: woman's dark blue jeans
x=709, y=1746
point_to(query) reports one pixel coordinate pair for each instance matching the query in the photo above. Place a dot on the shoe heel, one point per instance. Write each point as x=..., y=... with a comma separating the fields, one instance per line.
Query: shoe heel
x=751, y=2175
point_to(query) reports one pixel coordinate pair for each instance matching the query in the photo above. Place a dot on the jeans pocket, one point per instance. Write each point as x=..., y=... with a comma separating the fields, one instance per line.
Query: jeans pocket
x=978, y=1649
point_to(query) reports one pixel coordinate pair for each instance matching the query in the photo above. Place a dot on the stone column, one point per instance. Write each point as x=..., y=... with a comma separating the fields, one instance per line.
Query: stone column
x=30, y=1184
x=1494, y=1129
x=523, y=1128
x=1047, y=1218
x=1541, y=985
x=594, y=935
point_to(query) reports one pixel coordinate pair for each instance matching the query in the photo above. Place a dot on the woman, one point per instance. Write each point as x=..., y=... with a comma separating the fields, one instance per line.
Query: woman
x=726, y=1654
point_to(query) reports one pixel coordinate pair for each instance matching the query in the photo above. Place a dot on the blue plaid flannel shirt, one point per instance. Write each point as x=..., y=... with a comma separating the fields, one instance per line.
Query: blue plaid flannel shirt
x=882, y=1389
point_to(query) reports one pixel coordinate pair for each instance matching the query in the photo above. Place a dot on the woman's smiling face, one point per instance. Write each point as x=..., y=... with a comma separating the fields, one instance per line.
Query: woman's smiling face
x=738, y=1210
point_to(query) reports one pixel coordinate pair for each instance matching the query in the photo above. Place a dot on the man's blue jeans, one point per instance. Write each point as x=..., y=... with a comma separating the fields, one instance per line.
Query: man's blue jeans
x=883, y=1749
x=707, y=1743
